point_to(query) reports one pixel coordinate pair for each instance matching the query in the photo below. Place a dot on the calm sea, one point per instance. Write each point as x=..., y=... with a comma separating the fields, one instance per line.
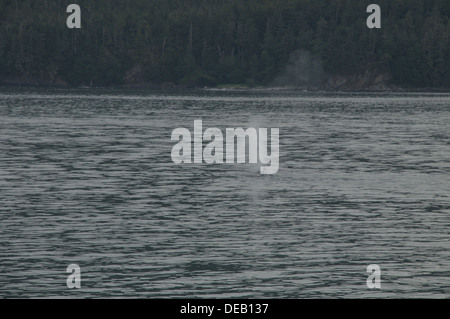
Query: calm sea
x=86, y=177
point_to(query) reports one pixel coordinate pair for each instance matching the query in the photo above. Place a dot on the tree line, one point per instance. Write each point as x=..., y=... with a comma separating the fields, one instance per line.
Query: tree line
x=213, y=42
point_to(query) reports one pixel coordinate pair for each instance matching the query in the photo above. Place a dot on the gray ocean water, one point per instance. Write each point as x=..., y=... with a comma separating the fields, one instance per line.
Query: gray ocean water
x=86, y=177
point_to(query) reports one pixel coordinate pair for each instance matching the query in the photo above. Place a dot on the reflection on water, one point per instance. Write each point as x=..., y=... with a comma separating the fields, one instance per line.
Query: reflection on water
x=86, y=177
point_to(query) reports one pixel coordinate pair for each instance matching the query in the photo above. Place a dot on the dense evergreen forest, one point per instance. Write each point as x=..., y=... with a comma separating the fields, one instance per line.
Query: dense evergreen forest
x=213, y=42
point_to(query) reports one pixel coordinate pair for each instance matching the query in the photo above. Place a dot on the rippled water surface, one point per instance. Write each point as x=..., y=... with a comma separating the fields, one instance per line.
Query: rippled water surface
x=86, y=177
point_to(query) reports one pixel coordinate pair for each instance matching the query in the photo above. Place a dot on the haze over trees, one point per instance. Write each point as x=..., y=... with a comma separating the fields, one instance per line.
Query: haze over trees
x=212, y=42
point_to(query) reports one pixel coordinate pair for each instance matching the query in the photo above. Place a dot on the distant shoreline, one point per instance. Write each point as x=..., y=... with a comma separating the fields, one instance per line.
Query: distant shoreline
x=31, y=83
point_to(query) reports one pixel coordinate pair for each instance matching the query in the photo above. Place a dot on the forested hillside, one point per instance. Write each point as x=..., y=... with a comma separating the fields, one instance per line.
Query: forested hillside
x=212, y=42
